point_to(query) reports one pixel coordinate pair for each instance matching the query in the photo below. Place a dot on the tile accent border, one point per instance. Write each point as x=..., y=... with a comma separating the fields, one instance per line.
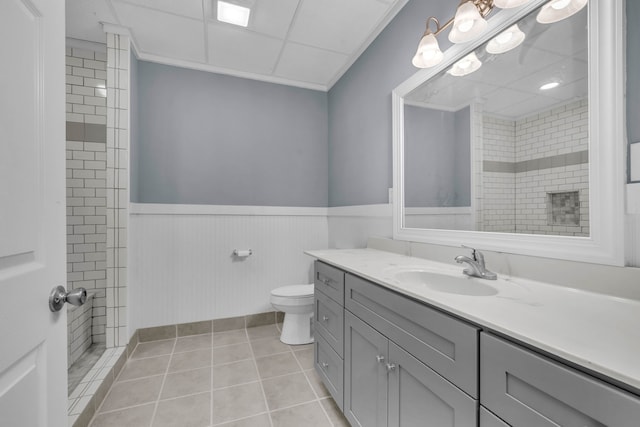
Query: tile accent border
x=568, y=159
x=87, y=397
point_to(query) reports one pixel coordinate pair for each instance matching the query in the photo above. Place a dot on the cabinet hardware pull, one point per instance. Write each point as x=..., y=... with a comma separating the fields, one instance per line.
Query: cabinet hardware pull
x=391, y=367
x=324, y=365
x=380, y=358
x=325, y=318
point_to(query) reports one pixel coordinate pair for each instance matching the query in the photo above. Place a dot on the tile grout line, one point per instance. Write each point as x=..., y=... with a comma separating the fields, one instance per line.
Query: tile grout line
x=313, y=390
x=255, y=364
x=164, y=379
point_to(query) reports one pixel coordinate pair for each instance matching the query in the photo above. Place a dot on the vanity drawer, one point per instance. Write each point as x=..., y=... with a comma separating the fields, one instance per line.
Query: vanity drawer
x=527, y=389
x=329, y=280
x=329, y=321
x=330, y=367
x=447, y=345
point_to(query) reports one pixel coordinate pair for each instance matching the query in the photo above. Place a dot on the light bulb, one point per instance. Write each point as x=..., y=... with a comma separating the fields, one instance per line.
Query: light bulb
x=428, y=53
x=560, y=4
x=467, y=24
x=509, y=39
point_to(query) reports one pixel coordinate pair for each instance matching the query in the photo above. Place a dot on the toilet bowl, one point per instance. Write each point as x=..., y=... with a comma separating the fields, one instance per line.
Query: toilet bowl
x=297, y=304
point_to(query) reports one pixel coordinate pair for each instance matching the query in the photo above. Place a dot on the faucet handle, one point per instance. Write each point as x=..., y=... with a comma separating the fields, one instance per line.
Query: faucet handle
x=476, y=255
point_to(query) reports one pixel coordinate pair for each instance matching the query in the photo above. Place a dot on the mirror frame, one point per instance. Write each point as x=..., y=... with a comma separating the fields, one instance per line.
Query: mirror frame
x=607, y=154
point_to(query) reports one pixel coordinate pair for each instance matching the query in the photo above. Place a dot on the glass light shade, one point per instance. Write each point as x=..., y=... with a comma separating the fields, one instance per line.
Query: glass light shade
x=467, y=24
x=509, y=39
x=428, y=53
x=507, y=4
x=557, y=10
x=466, y=65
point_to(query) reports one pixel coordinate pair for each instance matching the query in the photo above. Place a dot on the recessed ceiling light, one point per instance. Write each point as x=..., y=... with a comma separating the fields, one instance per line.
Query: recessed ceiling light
x=233, y=14
x=549, y=85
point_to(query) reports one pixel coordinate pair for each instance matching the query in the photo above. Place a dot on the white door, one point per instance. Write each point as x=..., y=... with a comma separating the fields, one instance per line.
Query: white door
x=33, y=370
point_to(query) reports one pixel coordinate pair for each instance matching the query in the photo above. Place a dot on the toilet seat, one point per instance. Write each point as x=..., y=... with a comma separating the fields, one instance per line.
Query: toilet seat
x=293, y=291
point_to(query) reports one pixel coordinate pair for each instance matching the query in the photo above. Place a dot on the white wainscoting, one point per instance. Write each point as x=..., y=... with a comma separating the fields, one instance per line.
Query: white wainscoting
x=351, y=226
x=182, y=268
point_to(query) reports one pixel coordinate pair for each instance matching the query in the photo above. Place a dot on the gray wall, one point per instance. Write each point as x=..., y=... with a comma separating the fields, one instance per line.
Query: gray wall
x=206, y=138
x=633, y=71
x=360, y=107
x=437, y=157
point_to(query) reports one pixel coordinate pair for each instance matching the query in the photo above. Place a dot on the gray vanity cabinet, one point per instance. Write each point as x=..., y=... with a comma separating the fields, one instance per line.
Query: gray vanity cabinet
x=329, y=328
x=387, y=386
x=487, y=419
x=526, y=389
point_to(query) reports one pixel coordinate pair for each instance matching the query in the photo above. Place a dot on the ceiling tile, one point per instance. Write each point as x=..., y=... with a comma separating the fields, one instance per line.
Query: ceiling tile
x=337, y=25
x=188, y=8
x=308, y=64
x=163, y=34
x=273, y=17
x=242, y=50
x=83, y=19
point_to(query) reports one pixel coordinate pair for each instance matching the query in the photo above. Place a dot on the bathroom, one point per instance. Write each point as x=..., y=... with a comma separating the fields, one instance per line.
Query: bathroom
x=171, y=166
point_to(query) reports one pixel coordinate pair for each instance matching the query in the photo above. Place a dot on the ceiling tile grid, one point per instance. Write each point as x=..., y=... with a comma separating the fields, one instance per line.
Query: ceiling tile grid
x=307, y=43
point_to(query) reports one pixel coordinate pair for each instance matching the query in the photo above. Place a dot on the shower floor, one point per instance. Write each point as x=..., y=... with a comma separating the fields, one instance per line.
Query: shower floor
x=82, y=366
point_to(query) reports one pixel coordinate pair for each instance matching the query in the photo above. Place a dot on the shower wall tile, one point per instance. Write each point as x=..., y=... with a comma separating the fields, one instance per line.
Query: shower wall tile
x=86, y=194
x=117, y=182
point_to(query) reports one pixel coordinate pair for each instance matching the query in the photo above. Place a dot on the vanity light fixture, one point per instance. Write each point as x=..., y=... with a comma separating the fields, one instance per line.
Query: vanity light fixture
x=233, y=13
x=509, y=39
x=466, y=65
x=469, y=22
x=557, y=10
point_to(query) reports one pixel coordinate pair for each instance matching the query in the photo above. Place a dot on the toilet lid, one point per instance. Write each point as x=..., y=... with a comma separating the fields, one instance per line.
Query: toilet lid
x=293, y=291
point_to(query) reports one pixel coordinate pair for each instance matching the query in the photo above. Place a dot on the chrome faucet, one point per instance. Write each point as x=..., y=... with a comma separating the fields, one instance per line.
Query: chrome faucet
x=476, y=265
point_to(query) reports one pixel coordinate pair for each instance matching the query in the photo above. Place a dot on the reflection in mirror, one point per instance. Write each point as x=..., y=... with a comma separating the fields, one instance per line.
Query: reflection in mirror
x=499, y=141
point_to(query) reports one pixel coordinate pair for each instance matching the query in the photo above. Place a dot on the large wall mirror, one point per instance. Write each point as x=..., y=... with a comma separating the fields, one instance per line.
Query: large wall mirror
x=521, y=150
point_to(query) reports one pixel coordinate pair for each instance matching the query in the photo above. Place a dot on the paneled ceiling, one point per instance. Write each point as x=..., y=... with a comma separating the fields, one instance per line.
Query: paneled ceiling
x=306, y=43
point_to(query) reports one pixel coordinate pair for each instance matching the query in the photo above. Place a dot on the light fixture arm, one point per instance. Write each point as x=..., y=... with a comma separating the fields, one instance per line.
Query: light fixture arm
x=484, y=8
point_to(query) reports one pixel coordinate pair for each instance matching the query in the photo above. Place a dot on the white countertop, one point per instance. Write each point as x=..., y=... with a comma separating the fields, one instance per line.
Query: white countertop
x=598, y=332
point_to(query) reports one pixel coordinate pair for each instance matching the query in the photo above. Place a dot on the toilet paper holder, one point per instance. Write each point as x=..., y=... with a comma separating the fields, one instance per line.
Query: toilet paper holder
x=242, y=253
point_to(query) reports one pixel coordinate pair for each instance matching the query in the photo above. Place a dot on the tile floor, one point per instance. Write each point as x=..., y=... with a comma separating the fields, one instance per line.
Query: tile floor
x=241, y=378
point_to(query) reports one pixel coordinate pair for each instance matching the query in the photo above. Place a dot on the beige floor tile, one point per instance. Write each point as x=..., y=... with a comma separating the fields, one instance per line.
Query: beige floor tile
x=257, y=421
x=139, y=368
x=277, y=364
x=287, y=390
x=267, y=346
x=131, y=393
x=231, y=353
x=316, y=383
x=234, y=373
x=152, y=349
x=335, y=414
x=263, y=332
x=237, y=402
x=305, y=357
x=193, y=342
x=190, y=360
x=186, y=382
x=307, y=415
x=229, y=338
x=189, y=411
x=139, y=416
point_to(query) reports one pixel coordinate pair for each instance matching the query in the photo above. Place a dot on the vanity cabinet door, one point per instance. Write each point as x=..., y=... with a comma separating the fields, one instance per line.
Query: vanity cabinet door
x=526, y=389
x=329, y=280
x=487, y=419
x=365, y=374
x=418, y=396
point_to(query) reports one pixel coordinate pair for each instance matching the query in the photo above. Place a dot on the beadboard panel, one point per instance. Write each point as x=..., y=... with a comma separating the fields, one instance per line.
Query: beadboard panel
x=182, y=267
x=351, y=226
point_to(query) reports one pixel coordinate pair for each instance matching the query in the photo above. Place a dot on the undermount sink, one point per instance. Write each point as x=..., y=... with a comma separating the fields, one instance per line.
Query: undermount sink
x=460, y=285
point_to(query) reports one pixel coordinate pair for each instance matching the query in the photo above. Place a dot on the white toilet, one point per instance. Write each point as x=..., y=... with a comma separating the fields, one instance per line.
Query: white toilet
x=297, y=304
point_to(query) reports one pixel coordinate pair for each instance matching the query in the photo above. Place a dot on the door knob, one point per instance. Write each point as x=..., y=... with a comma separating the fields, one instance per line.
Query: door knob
x=59, y=296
